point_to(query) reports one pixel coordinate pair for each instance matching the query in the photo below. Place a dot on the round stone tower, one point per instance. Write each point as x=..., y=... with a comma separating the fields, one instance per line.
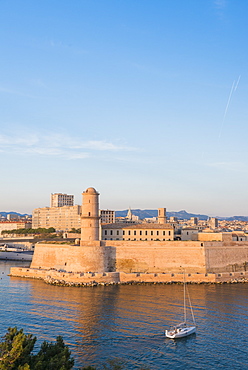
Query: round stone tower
x=90, y=216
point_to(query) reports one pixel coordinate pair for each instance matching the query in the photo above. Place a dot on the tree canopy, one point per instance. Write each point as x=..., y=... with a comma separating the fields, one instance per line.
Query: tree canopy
x=16, y=353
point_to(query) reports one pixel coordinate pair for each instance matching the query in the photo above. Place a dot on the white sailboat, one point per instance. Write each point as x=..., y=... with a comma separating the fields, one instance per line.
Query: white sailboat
x=184, y=328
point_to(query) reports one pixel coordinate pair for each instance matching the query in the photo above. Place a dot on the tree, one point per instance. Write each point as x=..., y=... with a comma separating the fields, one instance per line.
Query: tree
x=15, y=351
x=53, y=356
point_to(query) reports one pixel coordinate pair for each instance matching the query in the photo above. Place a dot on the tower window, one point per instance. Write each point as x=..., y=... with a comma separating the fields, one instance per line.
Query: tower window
x=89, y=213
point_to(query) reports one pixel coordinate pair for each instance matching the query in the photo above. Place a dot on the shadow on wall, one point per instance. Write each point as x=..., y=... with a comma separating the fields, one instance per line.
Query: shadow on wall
x=110, y=259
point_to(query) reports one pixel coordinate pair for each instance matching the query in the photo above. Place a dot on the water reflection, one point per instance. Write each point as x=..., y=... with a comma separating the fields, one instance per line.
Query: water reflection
x=129, y=321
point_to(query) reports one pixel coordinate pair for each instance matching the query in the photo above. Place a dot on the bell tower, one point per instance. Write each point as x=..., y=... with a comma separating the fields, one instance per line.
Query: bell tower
x=162, y=215
x=90, y=216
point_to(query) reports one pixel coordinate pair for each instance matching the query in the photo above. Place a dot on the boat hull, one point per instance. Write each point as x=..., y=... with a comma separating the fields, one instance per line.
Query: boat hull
x=184, y=332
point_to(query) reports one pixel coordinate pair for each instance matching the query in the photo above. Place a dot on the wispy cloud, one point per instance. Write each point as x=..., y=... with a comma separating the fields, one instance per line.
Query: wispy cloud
x=229, y=166
x=6, y=90
x=57, y=145
x=220, y=6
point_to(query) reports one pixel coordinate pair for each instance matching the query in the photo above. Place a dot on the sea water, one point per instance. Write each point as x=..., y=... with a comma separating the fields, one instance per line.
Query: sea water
x=127, y=322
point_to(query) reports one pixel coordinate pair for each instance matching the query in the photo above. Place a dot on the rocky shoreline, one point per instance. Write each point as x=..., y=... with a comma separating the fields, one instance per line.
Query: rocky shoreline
x=90, y=279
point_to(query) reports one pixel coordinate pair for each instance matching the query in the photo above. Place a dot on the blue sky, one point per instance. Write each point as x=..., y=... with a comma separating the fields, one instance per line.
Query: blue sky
x=144, y=100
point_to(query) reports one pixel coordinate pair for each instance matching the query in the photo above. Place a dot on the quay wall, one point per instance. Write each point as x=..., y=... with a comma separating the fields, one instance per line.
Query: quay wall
x=89, y=278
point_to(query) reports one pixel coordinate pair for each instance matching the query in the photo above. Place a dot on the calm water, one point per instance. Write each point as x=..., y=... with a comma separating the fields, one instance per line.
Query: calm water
x=128, y=322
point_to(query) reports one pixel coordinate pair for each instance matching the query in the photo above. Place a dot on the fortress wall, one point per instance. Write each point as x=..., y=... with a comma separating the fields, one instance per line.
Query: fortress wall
x=155, y=256
x=144, y=257
x=66, y=278
x=69, y=258
x=166, y=278
x=226, y=256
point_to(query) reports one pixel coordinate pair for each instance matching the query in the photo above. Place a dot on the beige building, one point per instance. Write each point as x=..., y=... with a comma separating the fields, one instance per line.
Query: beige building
x=144, y=231
x=61, y=218
x=107, y=216
x=10, y=225
x=61, y=200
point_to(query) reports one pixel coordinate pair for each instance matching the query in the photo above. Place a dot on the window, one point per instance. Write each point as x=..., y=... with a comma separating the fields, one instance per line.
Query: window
x=111, y=232
x=146, y=233
x=151, y=232
x=169, y=232
x=117, y=232
x=163, y=232
x=89, y=213
x=140, y=232
x=134, y=233
x=157, y=232
x=105, y=232
x=123, y=232
x=129, y=232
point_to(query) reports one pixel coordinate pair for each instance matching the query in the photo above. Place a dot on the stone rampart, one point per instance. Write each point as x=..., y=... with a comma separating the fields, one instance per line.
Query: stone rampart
x=155, y=256
x=88, y=279
x=226, y=256
x=69, y=257
x=144, y=256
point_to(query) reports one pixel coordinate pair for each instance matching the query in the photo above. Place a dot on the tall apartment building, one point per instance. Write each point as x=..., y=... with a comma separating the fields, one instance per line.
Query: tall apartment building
x=107, y=216
x=61, y=218
x=61, y=200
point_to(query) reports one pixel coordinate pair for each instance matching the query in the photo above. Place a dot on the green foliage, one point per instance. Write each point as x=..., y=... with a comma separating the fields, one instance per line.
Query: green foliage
x=39, y=231
x=53, y=356
x=16, y=353
x=15, y=350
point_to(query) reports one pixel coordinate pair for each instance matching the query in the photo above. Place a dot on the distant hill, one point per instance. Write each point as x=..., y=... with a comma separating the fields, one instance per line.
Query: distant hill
x=149, y=213
x=4, y=214
x=181, y=215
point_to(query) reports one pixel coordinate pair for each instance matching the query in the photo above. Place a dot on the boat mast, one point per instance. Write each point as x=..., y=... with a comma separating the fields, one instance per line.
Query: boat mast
x=184, y=294
x=191, y=308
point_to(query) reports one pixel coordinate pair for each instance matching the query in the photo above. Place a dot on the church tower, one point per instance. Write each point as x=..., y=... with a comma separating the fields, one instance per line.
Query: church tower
x=162, y=215
x=90, y=216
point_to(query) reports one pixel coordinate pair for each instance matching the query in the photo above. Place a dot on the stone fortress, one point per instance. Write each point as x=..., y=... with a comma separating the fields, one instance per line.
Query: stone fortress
x=148, y=254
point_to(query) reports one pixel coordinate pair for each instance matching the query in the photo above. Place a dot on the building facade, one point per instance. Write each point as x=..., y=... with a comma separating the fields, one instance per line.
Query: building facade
x=11, y=225
x=61, y=200
x=61, y=218
x=142, y=232
x=107, y=216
